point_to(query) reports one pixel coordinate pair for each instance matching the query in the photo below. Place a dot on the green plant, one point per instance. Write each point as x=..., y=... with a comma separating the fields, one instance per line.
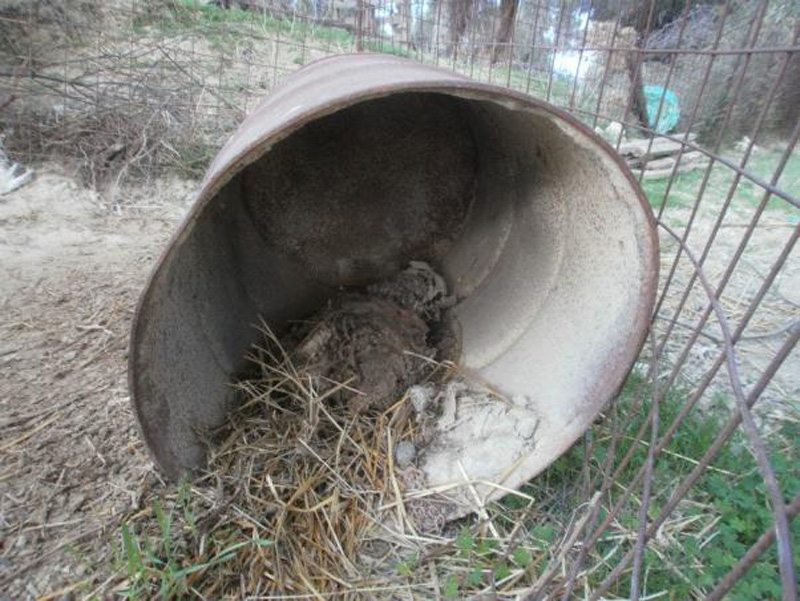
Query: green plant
x=478, y=562
x=722, y=516
x=223, y=27
x=163, y=562
x=406, y=567
x=386, y=48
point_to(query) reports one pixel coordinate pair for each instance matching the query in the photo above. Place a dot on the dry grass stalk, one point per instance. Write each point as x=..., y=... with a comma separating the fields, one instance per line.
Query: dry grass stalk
x=316, y=488
x=312, y=478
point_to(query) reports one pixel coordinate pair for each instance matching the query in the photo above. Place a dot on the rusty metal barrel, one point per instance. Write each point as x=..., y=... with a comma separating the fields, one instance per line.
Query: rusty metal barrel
x=355, y=166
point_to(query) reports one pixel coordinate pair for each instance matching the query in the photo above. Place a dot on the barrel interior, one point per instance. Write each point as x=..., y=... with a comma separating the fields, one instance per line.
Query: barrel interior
x=352, y=197
x=537, y=229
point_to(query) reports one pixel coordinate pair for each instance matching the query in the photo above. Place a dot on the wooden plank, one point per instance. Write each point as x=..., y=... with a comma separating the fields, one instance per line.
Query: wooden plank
x=666, y=173
x=659, y=164
x=660, y=147
x=668, y=162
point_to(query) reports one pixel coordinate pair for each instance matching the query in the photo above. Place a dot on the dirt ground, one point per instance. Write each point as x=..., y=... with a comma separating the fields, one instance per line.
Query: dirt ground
x=775, y=320
x=71, y=461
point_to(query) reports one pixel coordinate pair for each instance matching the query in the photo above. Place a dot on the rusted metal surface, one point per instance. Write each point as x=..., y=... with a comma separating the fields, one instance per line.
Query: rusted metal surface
x=555, y=287
x=392, y=203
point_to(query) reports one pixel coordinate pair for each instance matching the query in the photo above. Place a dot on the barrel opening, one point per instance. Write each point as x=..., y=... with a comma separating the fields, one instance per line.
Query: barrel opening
x=538, y=231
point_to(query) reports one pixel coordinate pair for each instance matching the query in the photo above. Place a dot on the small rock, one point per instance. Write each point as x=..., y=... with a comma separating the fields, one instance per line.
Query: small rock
x=421, y=396
x=76, y=500
x=404, y=453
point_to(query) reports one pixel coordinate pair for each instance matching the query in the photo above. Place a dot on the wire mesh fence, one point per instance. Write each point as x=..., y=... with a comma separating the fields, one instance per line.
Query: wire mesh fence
x=690, y=484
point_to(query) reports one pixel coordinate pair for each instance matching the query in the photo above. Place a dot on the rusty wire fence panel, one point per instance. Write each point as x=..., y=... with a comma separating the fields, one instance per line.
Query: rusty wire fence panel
x=127, y=89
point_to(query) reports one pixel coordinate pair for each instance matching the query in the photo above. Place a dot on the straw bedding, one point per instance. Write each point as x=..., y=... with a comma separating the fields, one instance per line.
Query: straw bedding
x=332, y=419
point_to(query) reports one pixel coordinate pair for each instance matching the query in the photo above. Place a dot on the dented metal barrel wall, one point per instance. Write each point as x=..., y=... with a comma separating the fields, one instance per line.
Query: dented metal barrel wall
x=358, y=164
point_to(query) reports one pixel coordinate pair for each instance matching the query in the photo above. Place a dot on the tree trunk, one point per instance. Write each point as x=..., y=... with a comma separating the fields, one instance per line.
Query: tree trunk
x=638, y=100
x=459, y=16
x=407, y=23
x=501, y=48
x=788, y=109
x=360, y=26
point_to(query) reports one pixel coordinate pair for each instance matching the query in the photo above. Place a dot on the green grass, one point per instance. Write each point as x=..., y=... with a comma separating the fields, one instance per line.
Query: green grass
x=764, y=164
x=729, y=500
x=534, y=83
x=224, y=27
x=480, y=561
x=722, y=516
x=164, y=553
x=387, y=47
x=747, y=194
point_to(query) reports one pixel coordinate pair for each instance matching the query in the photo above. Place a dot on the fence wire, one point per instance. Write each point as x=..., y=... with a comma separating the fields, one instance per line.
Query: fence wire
x=703, y=98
